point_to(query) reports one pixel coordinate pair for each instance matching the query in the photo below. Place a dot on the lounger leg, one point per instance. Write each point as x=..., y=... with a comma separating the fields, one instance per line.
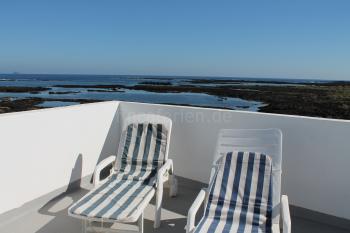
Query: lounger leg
x=158, y=207
x=172, y=185
x=140, y=223
x=83, y=226
x=172, y=182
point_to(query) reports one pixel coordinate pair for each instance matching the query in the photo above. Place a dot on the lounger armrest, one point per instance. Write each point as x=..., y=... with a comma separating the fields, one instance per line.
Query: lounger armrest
x=191, y=216
x=100, y=166
x=168, y=166
x=285, y=215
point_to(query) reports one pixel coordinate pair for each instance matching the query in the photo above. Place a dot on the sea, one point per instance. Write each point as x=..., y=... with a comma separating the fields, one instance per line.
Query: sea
x=90, y=93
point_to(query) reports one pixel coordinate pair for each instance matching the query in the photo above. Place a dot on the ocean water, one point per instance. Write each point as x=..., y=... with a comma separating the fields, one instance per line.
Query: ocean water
x=195, y=99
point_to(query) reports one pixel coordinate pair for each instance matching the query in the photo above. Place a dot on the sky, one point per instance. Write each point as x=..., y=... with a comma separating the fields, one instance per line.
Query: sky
x=262, y=38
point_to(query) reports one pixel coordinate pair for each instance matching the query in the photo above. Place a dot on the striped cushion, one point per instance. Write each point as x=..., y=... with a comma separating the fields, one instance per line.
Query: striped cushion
x=142, y=151
x=113, y=200
x=240, y=196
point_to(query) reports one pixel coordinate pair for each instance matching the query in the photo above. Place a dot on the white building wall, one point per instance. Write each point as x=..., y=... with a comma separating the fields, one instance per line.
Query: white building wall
x=40, y=148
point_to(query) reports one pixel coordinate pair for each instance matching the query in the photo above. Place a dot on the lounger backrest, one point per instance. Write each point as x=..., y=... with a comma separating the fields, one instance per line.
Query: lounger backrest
x=240, y=197
x=265, y=141
x=144, y=143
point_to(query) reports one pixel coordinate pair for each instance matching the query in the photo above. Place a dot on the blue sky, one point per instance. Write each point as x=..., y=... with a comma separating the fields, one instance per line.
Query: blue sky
x=263, y=38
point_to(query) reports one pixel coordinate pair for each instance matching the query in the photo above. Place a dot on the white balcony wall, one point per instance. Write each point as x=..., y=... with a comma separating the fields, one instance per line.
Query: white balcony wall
x=43, y=150
x=316, y=152
x=39, y=149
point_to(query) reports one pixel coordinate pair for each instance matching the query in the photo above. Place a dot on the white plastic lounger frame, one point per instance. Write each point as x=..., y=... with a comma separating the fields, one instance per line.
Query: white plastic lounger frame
x=165, y=173
x=266, y=141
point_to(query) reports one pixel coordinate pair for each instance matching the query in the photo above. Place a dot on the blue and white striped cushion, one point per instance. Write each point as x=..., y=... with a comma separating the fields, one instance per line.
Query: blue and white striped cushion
x=240, y=195
x=143, y=151
x=114, y=200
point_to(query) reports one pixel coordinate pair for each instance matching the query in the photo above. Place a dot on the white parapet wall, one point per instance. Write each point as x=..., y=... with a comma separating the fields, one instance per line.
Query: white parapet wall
x=316, y=151
x=44, y=150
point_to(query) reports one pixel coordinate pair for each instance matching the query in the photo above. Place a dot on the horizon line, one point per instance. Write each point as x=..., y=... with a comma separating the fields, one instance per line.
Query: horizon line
x=177, y=76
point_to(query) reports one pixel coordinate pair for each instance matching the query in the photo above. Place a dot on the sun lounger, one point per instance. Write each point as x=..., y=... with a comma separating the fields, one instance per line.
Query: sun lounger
x=139, y=171
x=244, y=189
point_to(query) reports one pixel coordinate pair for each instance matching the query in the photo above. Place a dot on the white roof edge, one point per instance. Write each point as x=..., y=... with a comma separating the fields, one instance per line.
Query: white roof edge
x=176, y=106
x=247, y=112
x=57, y=108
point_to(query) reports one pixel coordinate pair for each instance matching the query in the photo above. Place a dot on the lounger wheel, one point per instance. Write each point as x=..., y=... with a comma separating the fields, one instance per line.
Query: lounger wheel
x=173, y=186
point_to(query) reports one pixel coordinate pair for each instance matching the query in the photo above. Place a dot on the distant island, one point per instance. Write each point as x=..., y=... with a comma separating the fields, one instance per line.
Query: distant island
x=329, y=99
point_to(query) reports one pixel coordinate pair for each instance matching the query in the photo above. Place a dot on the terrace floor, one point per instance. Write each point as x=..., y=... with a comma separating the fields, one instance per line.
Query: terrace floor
x=52, y=217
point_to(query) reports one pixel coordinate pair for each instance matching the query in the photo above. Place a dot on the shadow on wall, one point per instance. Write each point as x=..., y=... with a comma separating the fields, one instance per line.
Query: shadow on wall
x=76, y=174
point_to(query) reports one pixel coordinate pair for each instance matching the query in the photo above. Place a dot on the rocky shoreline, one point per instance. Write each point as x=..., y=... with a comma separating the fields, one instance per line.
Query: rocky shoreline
x=329, y=100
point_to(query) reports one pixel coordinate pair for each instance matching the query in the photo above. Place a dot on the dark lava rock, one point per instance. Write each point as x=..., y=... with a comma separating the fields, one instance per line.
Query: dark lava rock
x=33, y=90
